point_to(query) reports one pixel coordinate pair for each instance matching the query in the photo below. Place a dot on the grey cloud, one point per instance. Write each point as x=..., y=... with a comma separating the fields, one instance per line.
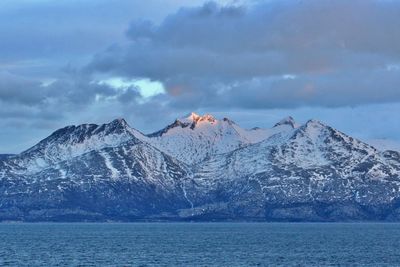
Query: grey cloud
x=20, y=90
x=234, y=56
x=345, y=88
x=130, y=95
x=287, y=25
x=39, y=37
x=26, y=98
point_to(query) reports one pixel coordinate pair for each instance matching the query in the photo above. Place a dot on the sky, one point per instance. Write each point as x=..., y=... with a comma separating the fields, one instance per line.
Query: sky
x=69, y=62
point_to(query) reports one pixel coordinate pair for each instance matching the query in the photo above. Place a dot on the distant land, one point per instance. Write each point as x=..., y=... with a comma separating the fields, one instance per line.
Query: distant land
x=200, y=168
x=5, y=156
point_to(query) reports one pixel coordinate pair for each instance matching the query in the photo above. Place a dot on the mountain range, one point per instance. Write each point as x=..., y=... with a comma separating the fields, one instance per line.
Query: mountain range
x=200, y=168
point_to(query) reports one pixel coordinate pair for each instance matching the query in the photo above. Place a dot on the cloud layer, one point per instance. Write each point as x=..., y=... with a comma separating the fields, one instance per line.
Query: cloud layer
x=270, y=55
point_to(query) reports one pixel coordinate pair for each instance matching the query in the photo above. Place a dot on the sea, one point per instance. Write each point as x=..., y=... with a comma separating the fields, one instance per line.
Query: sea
x=199, y=244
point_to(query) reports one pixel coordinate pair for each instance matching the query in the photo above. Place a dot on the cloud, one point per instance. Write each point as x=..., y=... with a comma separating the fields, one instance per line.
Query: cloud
x=23, y=98
x=14, y=89
x=337, y=52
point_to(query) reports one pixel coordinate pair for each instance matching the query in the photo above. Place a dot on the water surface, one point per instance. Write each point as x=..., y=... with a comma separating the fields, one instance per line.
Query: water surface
x=200, y=244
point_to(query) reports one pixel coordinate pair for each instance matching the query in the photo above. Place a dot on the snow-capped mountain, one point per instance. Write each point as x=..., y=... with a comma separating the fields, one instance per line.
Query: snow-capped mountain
x=196, y=138
x=201, y=168
x=309, y=173
x=72, y=141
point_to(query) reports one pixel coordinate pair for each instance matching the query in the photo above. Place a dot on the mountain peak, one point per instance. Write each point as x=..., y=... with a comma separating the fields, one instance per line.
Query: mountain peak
x=287, y=121
x=314, y=122
x=78, y=139
x=119, y=122
x=116, y=126
x=195, y=118
x=191, y=121
x=229, y=121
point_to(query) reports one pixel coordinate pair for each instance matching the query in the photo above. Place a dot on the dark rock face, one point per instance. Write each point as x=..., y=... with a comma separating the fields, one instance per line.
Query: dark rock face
x=5, y=156
x=112, y=172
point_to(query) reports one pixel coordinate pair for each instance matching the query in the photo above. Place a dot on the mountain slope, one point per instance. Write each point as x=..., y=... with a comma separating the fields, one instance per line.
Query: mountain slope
x=129, y=181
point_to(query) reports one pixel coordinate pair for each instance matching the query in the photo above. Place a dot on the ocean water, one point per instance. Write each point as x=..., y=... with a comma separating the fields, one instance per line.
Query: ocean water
x=200, y=244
